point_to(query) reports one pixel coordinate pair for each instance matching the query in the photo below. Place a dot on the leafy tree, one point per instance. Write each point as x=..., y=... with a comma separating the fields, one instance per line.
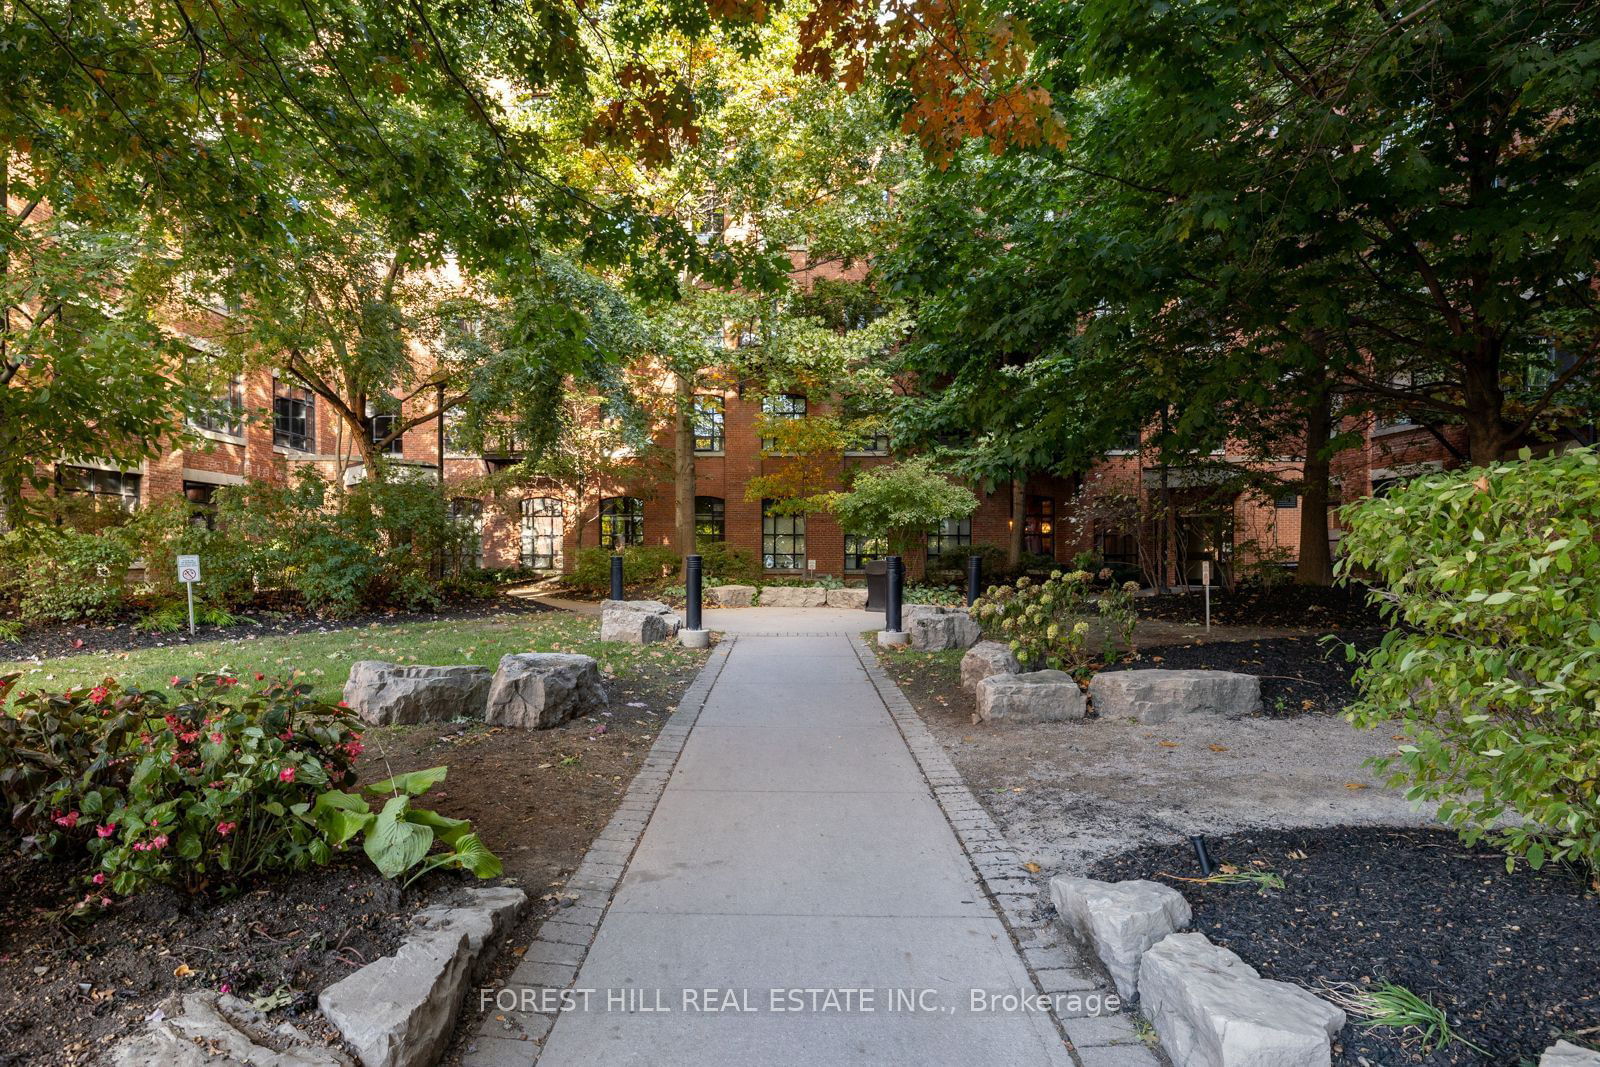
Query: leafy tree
x=901, y=502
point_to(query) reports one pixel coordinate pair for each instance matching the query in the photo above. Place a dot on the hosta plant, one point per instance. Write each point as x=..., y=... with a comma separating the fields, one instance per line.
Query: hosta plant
x=1490, y=579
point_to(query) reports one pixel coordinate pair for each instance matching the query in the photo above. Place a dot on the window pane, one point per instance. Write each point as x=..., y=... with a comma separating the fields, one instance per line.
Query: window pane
x=709, y=419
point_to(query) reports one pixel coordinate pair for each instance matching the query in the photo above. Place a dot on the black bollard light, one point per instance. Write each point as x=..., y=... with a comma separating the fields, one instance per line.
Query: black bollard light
x=1201, y=855
x=691, y=606
x=616, y=579
x=974, y=578
x=896, y=577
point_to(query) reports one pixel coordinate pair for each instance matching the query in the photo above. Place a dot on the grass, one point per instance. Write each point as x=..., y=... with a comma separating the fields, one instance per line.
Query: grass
x=1391, y=1006
x=325, y=658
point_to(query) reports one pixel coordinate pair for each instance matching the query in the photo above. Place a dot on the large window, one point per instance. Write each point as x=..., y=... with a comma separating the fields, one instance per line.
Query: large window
x=102, y=490
x=202, y=498
x=224, y=414
x=781, y=406
x=468, y=514
x=861, y=549
x=621, y=522
x=1116, y=546
x=293, y=417
x=783, y=540
x=710, y=519
x=710, y=413
x=950, y=538
x=543, y=531
x=1039, y=526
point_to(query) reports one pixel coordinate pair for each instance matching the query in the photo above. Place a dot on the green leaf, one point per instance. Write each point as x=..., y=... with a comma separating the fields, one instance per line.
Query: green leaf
x=412, y=783
x=393, y=844
x=447, y=829
x=473, y=855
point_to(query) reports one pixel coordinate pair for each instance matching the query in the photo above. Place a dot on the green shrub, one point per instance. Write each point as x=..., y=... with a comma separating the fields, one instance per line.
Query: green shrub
x=209, y=787
x=933, y=593
x=1491, y=580
x=727, y=565
x=1116, y=608
x=58, y=574
x=591, y=571
x=1043, y=621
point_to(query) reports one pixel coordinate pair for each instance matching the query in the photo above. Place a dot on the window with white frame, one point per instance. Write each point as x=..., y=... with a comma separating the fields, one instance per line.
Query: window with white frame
x=543, y=532
x=783, y=540
x=710, y=415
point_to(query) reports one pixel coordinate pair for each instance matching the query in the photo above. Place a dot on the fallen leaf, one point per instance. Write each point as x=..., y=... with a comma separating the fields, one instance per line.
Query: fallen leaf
x=1170, y=744
x=1217, y=748
x=1228, y=868
x=182, y=970
x=1296, y=854
x=1032, y=868
x=1355, y=785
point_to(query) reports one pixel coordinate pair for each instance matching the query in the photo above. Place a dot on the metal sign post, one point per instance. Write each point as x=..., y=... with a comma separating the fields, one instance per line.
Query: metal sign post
x=1205, y=579
x=188, y=574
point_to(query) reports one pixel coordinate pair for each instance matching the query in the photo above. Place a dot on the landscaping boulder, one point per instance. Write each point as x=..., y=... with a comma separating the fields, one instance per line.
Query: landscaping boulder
x=934, y=628
x=399, y=1011
x=793, y=596
x=1211, y=1009
x=985, y=660
x=1120, y=920
x=1160, y=695
x=849, y=597
x=1038, y=696
x=537, y=690
x=637, y=622
x=730, y=596
x=1566, y=1054
x=388, y=694
x=205, y=1030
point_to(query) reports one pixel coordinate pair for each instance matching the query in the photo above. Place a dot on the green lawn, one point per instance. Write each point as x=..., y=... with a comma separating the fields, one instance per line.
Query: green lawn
x=325, y=658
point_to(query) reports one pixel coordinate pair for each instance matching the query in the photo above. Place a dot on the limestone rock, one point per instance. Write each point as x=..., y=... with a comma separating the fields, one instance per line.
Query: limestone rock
x=645, y=607
x=986, y=659
x=793, y=596
x=399, y=1011
x=1154, y=696
x=849, y=597
x=387, y=694
x=1038, y=696
x=634, y=627
x=1566, y=1054
x=730, y=596
x=207, y=1030
x=1120, y=920
x=936, y=627
x=537, y=690
x=1211, y=1009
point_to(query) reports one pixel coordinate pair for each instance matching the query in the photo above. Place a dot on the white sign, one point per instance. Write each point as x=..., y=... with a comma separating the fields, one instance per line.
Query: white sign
x=1205, y=572
x=188, y=569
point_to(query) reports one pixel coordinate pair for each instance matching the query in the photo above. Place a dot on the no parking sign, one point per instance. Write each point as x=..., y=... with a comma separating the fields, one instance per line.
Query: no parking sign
x=188, y=574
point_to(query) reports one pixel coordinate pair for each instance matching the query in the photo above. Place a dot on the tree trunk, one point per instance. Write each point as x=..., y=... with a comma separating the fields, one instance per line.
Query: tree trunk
x=1316, y=561
x=683, y=466
x=1019, y=515
x=1487, y=437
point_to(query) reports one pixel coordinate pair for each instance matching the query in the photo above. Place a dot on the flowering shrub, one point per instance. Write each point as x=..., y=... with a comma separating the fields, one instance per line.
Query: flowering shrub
x=1116, y=608
x=1043, y=621
x=1491, y=577
x=206, y=787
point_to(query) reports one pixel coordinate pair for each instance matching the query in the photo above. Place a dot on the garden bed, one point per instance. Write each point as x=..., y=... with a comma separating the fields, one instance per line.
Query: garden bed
x=71, y=639
x=1511, y=958
x=536, y=798
x=1299, y=675
x=1327, y=608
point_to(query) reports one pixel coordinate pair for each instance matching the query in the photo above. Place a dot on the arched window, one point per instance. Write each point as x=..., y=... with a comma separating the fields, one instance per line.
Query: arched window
x=710, y=519
x=621, y=522
x=543, y=530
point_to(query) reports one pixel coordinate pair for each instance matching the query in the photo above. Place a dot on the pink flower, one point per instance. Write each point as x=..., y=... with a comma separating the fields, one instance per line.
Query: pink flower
x=105, y=902
x=225, y=989
x=260, y=677
x=286, y=775
x=344, y=703
x=99, y=878
x=287, y=735
x=69, y=820
x=354, y=748
x=158, y=842
x=216, y=739
x=226, y=828
x=98, y=694
x=189, y=737
x=107, y=830
x=176, y=679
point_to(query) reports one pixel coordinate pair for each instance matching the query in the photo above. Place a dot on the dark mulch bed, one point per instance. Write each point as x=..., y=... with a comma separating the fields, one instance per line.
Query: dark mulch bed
x=1299, y=675
x=1336, y=608
x=1514, y=959
x=64, y=639
x=74, y=987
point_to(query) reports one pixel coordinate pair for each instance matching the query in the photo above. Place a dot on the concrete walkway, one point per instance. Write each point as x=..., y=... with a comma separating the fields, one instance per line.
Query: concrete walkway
x=797, y=846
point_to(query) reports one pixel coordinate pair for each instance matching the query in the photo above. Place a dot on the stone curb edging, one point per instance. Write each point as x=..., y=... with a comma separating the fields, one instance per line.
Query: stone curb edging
x=514, y=1038
x=1054, y=962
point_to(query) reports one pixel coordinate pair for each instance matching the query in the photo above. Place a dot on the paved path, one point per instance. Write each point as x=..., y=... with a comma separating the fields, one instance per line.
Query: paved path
x=797, y=845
